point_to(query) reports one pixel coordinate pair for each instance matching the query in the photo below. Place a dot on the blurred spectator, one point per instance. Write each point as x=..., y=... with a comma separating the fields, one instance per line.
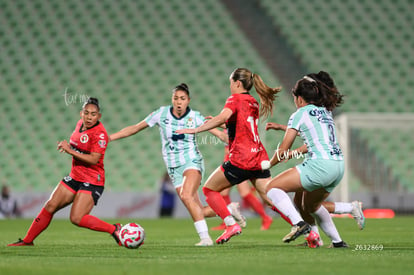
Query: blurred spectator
x=168, y=194
x=8, y=204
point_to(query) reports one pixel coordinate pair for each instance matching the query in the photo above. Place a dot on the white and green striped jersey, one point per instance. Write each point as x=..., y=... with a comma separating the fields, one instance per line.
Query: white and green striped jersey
x=317, y=128
x=177, y=149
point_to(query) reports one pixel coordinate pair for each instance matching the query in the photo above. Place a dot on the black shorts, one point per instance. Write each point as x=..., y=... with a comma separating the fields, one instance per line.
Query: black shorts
x=83, y=187
x=236, y=175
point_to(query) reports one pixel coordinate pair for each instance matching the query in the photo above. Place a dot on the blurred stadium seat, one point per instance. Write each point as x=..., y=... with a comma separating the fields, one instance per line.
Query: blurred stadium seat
x=129, y=54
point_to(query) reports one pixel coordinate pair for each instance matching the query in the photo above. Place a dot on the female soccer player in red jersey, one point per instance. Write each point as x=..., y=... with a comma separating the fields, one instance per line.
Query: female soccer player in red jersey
x=85, y=183
x=248, y=197
x=246, y=154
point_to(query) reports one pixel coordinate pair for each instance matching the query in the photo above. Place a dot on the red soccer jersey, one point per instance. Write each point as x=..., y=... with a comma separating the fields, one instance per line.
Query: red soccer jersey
x=246, y=150
x=94, y=139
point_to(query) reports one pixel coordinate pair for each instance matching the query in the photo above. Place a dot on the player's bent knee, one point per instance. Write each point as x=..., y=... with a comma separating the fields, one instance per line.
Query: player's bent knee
x=75, y=219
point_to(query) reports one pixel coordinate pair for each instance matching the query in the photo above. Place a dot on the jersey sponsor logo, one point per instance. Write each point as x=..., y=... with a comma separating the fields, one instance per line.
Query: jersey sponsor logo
x=255, y=105
x=84, y=138
x=176, y=137
x=256, y=150
x=102, y=143
x=166, y=121
x=73, y=142
x=321, y=115
x=316, y=112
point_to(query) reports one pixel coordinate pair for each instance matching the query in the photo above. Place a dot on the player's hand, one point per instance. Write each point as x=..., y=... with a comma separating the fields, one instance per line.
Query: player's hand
x=63, y=146
x=274, y=126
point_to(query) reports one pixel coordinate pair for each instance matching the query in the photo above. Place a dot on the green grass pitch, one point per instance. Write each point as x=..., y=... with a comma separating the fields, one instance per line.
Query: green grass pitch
x=169, y=249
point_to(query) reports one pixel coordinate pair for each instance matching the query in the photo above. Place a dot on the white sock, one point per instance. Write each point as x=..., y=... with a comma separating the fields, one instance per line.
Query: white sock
x=229, y=208
x=229, y=220
x=284, y=204
x=326, y=223
x=202, y=229
x=343, y=208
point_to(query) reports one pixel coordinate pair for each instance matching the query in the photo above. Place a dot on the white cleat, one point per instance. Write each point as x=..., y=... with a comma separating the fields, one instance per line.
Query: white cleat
x=358, y=214
x=205, y=242
x=234, y=209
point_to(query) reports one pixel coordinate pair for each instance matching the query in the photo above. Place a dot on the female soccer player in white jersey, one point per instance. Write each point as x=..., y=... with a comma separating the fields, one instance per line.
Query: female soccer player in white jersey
x=180, y=152
x=85, y=184
x=246, y=152
x=354, y=208
x=315, y=96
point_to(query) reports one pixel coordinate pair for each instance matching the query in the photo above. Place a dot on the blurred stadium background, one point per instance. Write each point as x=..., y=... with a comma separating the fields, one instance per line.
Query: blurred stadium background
x=130, y=54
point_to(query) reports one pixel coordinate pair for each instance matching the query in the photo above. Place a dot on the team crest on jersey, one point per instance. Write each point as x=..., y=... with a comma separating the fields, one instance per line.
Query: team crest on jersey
x=84, y=138
x=190, y=123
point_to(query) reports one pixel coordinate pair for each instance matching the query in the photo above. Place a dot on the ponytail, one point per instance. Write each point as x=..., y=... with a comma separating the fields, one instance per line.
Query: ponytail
x=266, y=94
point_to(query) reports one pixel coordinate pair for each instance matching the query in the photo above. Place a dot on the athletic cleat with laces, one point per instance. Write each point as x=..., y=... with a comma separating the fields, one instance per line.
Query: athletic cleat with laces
x=234, y=209
x=301, y=228
x=230, y=231
x=358, y=214
x=205, y=242
x=115, y=234
x=341, y=244
x=266, y=223
x=313, y=240
x=20, y=242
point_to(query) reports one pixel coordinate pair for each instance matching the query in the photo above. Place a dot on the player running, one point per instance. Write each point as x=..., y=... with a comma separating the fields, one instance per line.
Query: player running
x=315, y=96
x=246, y=151
x=85, y=184
x=248, y=197
x=181, y=155
x=353, y=208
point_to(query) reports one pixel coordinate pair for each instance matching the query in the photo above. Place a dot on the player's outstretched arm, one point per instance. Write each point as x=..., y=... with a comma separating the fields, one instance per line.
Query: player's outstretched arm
x=211, y=124
x=220, y=134
x=129, y=131
x=275, y=126
x=282, y=152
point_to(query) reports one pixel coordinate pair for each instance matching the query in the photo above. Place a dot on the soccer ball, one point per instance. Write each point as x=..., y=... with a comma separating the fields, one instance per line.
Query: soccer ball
x=132, y=235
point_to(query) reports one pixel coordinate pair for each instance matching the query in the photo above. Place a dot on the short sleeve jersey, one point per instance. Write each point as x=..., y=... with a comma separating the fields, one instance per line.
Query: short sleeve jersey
x=177, y=149
x=246, y=151
x=94, y=139
x=317, y=129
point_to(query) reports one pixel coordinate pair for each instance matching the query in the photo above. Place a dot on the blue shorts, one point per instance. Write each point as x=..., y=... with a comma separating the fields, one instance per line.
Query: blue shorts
x=320, y=173
x=176, y=173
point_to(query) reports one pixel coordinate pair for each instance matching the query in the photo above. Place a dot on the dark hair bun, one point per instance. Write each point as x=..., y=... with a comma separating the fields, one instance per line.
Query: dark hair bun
x=325, y=78
x=182, y=87
x=92, y=100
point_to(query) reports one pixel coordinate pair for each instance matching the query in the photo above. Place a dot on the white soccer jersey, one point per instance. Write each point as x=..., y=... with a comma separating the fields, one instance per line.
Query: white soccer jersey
x=317, y=128
x=177, y=149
